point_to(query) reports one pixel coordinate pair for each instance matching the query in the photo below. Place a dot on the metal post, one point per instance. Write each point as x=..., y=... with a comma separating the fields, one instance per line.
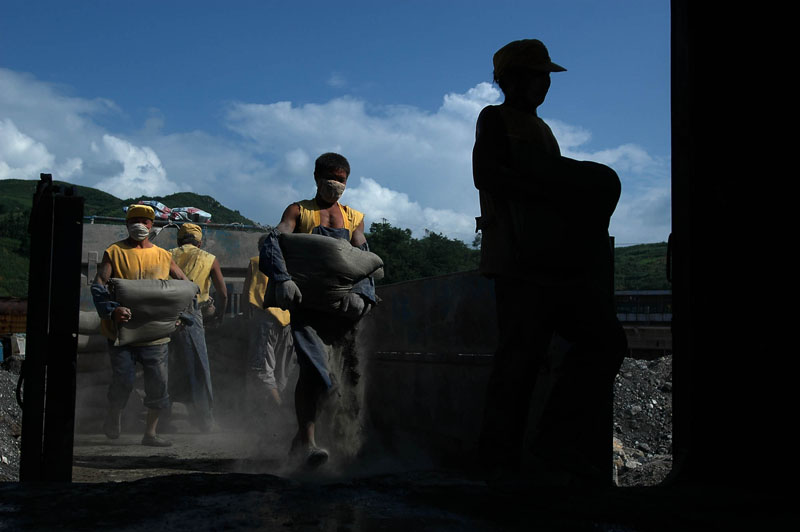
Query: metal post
x=49, y=370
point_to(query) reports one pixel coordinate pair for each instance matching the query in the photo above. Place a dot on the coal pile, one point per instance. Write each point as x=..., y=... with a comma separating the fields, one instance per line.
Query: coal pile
x=10, y=420
x=643, y=421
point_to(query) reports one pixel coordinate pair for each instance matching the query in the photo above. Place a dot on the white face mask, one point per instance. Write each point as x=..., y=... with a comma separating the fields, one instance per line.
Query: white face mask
x=138, y=232
x=330, y=190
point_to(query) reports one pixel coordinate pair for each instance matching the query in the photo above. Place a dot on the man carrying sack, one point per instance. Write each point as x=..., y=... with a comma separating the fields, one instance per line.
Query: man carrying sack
x=324, y=336
x=134, y=258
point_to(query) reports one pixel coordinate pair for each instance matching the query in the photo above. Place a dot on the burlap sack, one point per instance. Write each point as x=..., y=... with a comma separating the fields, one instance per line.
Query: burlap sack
x=89, y=322
x=324, y=268
x=155, y=306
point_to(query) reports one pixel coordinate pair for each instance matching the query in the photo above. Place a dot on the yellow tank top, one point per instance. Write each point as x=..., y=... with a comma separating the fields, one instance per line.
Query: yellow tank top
x=258, y=286
x=196, y=265
x=310, y=217
x=131, y=262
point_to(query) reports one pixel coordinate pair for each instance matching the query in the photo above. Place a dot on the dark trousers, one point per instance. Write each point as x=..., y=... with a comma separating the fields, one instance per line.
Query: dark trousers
x=153, y=359
x=574, y=431
x=329, y=376
x=190, y=370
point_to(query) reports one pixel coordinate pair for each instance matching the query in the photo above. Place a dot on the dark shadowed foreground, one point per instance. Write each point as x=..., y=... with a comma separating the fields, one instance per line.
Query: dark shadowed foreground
x=424, y=500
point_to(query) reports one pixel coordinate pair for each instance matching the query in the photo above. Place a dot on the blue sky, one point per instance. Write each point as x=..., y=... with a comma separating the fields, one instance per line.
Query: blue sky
x=236, y=99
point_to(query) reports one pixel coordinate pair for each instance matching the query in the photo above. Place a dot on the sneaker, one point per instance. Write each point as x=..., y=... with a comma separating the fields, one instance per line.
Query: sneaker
x=306, y=456
x=155, y=441
x=111, y=426
x=316, y=457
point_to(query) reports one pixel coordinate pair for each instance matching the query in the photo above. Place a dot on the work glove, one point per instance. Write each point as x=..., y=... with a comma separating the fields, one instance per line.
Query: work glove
x=287, y=295
x=354, y=306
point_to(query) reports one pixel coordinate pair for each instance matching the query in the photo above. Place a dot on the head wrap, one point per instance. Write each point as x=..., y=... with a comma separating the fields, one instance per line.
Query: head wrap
x=188, y=229
x=525, y=53
x=140, y=211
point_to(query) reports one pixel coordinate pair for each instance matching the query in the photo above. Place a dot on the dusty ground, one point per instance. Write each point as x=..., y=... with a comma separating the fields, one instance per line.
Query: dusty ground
x=642, y=429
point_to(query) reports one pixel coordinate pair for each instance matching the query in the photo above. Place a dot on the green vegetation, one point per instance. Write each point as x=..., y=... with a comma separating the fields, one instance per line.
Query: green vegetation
x=641, y=267
x=406, y=258
x=13, y=269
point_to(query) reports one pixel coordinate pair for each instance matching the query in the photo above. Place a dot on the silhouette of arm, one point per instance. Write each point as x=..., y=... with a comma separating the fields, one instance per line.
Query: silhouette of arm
x=536, y=173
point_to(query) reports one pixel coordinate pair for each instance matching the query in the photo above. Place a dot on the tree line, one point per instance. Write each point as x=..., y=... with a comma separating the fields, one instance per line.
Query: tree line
x=406, y=258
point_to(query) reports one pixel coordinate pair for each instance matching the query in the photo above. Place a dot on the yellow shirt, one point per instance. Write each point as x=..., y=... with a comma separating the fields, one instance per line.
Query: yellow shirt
x=257, y=287
x=310, y=217
x=132, y=262
x=196, y=265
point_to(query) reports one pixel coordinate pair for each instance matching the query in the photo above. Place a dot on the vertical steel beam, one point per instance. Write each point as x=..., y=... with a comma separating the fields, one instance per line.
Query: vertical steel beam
x=49, y=370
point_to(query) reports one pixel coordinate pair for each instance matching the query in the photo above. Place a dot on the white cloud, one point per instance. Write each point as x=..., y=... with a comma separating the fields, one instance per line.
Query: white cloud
x=142, y=172
x=337, y=80
x=380, y=203
x=409, y=166
x=20, y=155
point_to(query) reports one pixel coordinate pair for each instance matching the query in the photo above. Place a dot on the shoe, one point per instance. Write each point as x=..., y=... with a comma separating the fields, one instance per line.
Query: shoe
x=316, y=457
x=306, y=456
x=111, y=426
x=155, y=441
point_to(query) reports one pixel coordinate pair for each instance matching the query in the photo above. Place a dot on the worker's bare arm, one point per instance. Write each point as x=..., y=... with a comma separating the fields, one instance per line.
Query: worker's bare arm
x=358, y=239
x=289, y=219
x=103, y=271
x=219, y=286
x=175, y=272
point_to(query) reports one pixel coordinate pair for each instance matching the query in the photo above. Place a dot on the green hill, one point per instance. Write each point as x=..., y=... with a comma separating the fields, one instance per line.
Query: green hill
x=641, y=267
x=17, y=194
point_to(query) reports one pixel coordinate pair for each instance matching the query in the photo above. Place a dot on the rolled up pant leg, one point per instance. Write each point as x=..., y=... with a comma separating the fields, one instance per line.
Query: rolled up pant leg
x=123, y=375
x=154, y=363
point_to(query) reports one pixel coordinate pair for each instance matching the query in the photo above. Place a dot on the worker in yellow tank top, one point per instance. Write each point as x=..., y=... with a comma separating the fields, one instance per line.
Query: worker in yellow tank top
x=189, y=367
x=270, y=346
x=311, y=214
x=324, y=343
x=200, y=266
x=134, y=258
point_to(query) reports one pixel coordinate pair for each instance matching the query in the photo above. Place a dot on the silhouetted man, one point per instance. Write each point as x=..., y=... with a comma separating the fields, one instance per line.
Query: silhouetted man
x=544, y=223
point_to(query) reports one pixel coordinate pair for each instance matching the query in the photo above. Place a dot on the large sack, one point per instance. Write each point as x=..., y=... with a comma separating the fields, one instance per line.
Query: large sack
x=92, y=343
x=155, y=306
x=89, y=322
x=324, y=268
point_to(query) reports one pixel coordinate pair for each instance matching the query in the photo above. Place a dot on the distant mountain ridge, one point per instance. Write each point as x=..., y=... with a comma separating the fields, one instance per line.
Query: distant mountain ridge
x=17, y=195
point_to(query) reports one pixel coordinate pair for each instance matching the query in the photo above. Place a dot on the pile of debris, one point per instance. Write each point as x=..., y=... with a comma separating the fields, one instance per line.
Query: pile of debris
x=10, y=419
x=643, y=421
